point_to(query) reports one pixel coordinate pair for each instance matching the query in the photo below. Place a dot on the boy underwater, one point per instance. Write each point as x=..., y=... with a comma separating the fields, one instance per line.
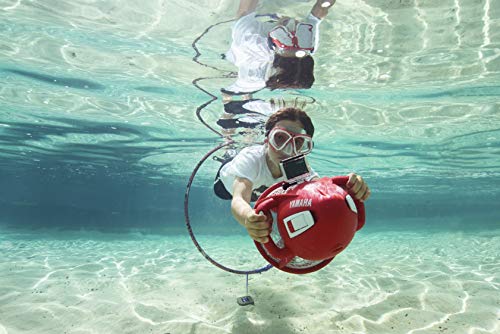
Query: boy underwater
x=289, y=133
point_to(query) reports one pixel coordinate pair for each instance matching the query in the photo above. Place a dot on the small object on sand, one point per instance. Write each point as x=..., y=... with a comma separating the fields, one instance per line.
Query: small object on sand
x=245, y=300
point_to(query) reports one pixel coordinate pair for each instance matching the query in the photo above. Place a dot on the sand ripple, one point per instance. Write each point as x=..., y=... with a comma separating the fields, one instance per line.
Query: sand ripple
x=385, y=282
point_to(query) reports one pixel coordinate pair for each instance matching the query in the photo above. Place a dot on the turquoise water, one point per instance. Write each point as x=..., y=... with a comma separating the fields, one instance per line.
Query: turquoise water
x=99, y=135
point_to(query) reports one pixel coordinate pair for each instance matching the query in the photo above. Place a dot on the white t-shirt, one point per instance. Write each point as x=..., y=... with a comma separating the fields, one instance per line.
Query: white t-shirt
x=262, y=107
x=250, y=51
x=250, y=163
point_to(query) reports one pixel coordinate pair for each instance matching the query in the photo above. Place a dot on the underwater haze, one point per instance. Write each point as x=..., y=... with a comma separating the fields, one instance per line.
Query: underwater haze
x=99, y=136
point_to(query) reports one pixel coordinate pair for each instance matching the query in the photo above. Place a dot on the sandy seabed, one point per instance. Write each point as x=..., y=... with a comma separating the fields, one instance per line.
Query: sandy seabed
x=384, y=282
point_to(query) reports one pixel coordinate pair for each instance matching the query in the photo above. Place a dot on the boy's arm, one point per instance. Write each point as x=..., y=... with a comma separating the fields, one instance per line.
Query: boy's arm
x=240, y=204
x=321, y=7
x=246, y=7
x=258, y=225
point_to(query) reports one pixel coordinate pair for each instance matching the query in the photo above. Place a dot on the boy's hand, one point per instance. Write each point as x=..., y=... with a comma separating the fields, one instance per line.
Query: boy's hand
x=326, y=3
x=258, y=226
x=321, y=7
x=357, y=187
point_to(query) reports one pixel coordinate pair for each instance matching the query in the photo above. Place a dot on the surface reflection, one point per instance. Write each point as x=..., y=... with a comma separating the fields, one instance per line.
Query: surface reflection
x=274, y=51
x=270, y=51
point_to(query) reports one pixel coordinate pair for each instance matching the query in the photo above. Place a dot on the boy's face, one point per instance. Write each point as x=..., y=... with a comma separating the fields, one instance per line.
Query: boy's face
x=292, y=126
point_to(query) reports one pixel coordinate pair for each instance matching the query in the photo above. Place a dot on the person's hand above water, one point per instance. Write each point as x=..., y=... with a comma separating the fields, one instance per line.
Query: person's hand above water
x=258, y=226
x=326, y=3
x=320, y=9
x=357, y=187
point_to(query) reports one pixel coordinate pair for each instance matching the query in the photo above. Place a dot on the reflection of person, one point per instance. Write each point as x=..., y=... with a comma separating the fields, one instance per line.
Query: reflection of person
x=274, y=54
x=289, y=132
x=246, y=117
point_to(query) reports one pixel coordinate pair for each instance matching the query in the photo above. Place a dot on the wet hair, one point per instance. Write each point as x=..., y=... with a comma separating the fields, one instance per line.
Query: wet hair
x=291, y=114
x=294, y=72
